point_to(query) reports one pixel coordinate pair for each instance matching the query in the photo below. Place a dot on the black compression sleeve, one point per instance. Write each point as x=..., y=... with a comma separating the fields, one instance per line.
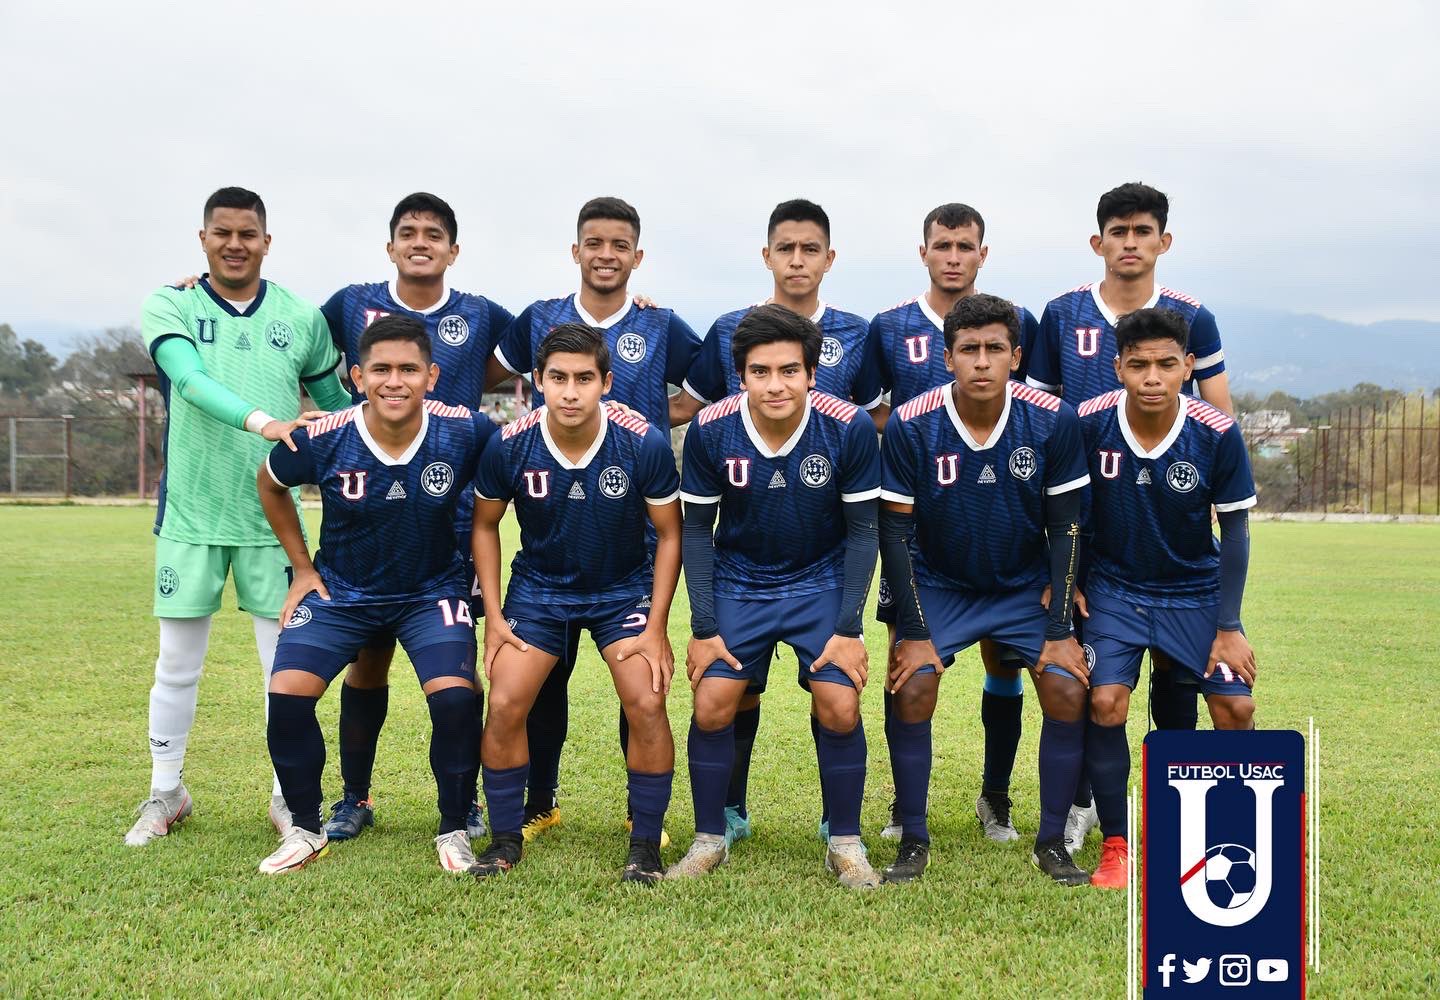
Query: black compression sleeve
x=1234, y=565
x=697, y=551
x=1062, y=523
x=861, y=544
x=895, y=529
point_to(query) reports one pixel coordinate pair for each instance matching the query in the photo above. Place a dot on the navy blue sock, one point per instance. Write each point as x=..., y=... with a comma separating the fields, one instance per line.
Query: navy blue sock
x=910, y=757
x=1083, y=798
x=1000, y=712
x=824, y=799
x=649, y=798
x=747, y=722
x=842, y=774
x=362, y=714
x=505, y=797
x=454, y=753
x=1107, y=758
x=711, y=757
x=297, y=749
x=1172, y=705
x=1062, y=757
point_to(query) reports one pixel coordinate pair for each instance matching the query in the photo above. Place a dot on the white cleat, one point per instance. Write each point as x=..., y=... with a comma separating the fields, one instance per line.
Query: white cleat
x=846, y=857
x=297, y=849
x=992, y=809
x=708, y=852
x=280, y=816
x=1078, y=824
x=160, y=813
x=454, y=850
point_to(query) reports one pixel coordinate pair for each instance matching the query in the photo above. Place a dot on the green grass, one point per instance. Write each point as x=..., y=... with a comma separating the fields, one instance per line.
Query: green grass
x=1344, y=618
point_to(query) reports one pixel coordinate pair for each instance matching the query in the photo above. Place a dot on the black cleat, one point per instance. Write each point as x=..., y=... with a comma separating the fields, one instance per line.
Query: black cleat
x=643, y=865
x=502, y=855
x=1054, y=860
x=910, y=861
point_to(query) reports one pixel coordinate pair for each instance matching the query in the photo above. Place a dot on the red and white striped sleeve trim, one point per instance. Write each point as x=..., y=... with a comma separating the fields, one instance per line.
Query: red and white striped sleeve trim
x=1102, y=402
x=1036, y=397
x=1212, y=417
x=440, y=409
x=833, y=406
x=1081, y=288
x=523, y=424
x=923, y=403
x=902, y=305
x=1170, y=293
x=630, y=422
x=330, y=421
x=724, y=408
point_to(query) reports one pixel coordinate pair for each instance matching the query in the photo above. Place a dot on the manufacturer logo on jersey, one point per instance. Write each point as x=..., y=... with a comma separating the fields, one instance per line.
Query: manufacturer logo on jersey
x=987, y=475
x=352, y=485
x=1023, y=463
x=397, y=491
x=437, y=478
x=777, y=481
x=947, y=469
x=537, y=483
x=279, y=335
x=1087, y=341
x=831, y=352
x=167, y=581
x=577, y=492
x=453, y=330
x=815, y=470
x=917, y=349
x=1182, y=477
x=1143, y=479
x=1109, y=463
x=737, y=470
x=243, y=343
x=614, y=483
x=300, y=616
x=631, y=348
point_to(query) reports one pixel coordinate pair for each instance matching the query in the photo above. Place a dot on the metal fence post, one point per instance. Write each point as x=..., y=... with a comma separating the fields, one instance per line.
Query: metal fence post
x=14, y=448
x=68, y=422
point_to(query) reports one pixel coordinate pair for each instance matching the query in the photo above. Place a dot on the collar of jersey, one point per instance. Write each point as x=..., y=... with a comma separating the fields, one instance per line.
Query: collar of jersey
x=1134, y=443
x=227, y=305
x=964, y=431
x=759, y=442
x=381, y=455
x=1109, y=313
x=930, y=313
x=589, y=455
x=600, y=324
x=440, y=303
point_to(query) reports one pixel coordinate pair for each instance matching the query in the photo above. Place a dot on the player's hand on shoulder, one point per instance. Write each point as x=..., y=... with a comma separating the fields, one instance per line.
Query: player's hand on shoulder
x=1234, y=651
x=189, y=281
x=623, y=410
x=654, y=645
x=1068, y=656
x=280, y=430
x=850, y=655
x=498, y=635
x=646, y=302
x=306, y=582
x=908, y=657
x=701, y=653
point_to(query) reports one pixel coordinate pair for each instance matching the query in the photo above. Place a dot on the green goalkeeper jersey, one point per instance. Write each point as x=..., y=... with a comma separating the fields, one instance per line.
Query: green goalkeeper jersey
x=208, y=496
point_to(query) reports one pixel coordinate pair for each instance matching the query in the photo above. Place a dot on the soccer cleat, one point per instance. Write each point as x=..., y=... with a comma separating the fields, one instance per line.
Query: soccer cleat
x=737, y=827
x=1055, y=861
x=708, y=852
x=1078, y=824
x=475, y=822
x=454, y=850
x=1113, y=870
x=297, y=849
x=159, y=814
x=280, y=817
x=664, y=834
x=992, y=809
x=894, y=830
x=910, y=861
x=643, y=866
x=349, y=817
x=502, y=855
x=846, y=857
x=538, y=820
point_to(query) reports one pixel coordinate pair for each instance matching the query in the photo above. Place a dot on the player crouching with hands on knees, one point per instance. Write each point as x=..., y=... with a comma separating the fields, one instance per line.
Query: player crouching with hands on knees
x=583, y=477
x=390, y=472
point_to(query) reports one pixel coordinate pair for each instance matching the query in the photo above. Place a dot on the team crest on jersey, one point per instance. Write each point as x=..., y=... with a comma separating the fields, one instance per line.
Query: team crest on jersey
x=1089, y=656
x=279, y=335
x=537, y=483
x=352, y=485
x=300, y=616
x=167, y=581
x=917, y=349
x=831, y=352
x=1087, y=341
x=437, y=478
x=1182, y=477
x=737, y=470
x=815, y=470
x=1109, y=463
x=614, y=483
x=885, y=596
x=1023, y=463
x=947, y=469
x=453, y=330
x=631, y=348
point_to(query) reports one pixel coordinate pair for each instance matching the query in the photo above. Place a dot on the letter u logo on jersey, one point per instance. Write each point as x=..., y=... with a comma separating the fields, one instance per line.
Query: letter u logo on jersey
x=1194, y=853
x=1109, y=463
x=947, y=469
x=737, y=470
x=537, y=483
x=352, y=485
x=917, y=349
x=1087, y=341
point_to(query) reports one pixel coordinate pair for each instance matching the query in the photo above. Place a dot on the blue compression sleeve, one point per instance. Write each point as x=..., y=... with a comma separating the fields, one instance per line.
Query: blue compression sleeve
x=1234, y=565
x=1062, y=524
x=697, y=551
x=895, y=530
x=862, y=542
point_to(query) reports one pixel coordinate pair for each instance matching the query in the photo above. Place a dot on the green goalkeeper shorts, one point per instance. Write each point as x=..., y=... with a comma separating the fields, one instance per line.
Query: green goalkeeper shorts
x=189, y=578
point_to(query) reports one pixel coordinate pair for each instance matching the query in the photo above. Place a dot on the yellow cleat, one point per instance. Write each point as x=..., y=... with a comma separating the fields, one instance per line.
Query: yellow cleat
x=664, y=834
x=539, y=821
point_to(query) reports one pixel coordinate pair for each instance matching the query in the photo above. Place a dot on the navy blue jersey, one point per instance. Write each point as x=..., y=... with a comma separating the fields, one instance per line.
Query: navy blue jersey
x=387, y=532
x=906, y=349
x=582, y=524
x=842, y=371
x=980, y=509
x=1075, y=353
x=650, y=349
x=782, y=529
x=1150, y=514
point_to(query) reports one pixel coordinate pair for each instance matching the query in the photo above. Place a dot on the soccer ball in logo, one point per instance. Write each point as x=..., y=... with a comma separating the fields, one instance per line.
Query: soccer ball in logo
x=831, y=352
x=1022, y=463
x=1182, y=477
x=614, y=483
x=631, y=348
x=437, y=478
x=279, y=335
x=453, y=330
x=167, y=581
x=1229, y=874
x=815, y=470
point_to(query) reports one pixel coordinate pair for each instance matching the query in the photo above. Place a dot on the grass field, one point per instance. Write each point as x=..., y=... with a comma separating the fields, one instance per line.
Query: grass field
x=1344, y=618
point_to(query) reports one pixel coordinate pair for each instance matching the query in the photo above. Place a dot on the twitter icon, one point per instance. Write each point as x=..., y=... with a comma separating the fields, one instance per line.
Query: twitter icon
x=1196, y=971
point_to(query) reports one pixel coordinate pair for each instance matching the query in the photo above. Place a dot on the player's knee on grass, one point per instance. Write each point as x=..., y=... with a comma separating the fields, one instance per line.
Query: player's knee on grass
x=1231, y=712
x=1061, y=697
x=915, y=701
x=716, y=702
x=836, y=706
x=371, y=668
x=442, y=683
x=295, y=681
x=645, y=711
x=1110, y=704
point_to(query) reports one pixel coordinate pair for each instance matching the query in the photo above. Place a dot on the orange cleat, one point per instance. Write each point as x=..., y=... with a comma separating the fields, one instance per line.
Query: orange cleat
x=1113, y=871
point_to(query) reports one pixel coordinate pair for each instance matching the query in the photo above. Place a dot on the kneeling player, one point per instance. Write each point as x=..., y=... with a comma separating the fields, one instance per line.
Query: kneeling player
x=1158, y=579
x=795, y=475
x=980, y=470
x=390, y=472
x=583, y=477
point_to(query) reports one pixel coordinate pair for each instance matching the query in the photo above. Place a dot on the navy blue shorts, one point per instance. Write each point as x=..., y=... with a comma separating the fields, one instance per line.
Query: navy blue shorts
x=1014, y=620
x=545, y=626
x=753, y=628
x=1117, y=633
x=438, y=636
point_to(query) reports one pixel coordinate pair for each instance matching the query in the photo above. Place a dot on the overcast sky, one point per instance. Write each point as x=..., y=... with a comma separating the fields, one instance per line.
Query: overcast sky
x=1298, y=144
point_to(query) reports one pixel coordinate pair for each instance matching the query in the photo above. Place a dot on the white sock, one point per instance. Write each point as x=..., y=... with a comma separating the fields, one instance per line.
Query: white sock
x=267, y=637
x=183, y=642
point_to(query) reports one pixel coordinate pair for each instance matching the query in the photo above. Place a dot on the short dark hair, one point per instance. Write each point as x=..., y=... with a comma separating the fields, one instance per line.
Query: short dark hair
x=1151, y=324
x=425, y=203
x=798, y=210
x=772, y=324
x=952, y=215
x=974, y=311
x=394, y=327
x=235, y=197
x=575, y=338
x=617, y=209
x=1130, y=199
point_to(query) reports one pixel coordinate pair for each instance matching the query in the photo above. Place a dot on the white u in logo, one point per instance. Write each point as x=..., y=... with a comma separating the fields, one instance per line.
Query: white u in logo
x=917, y=349
x=947, y=469
x=737, y=470
x=1192, y=850
x=1087, y=341
x=537, y=482
x=1109, y=463
x=352, y=485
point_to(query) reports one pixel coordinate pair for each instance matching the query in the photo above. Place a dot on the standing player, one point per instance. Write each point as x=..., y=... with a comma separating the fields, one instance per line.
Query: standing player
x=979, y=472
x=584, y=478
x=1159, y=459
x=231, y=352
x=795, y=475
x=463, y=329
x=650, y=349
x=390, y=470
